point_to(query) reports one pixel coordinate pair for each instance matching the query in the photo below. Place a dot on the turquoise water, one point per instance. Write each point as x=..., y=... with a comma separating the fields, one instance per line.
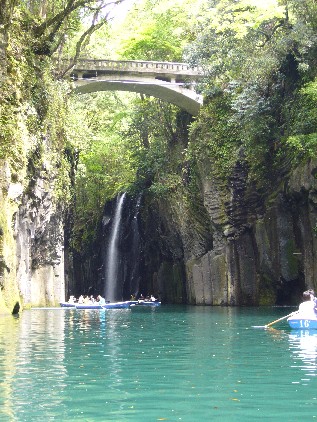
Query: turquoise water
x=171, y=363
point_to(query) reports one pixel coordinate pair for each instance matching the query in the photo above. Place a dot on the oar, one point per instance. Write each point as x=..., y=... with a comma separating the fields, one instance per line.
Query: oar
x=274, y=322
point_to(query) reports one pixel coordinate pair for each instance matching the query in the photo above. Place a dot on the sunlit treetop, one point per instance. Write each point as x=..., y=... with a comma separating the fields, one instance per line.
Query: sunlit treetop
x=157, y=30
x=240, y=16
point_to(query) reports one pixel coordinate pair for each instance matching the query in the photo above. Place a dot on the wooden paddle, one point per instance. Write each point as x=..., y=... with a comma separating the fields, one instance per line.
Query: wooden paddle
x=274, y=322
x=280, y=319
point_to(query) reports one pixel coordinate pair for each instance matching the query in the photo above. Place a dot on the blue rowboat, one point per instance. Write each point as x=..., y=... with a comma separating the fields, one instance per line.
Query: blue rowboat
x=67, y=305
x=88, y=306
x=298, y=323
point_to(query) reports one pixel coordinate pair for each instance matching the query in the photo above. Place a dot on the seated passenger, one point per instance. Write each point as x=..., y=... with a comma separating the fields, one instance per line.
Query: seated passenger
x=306, y=309
x=101, y=300
x=313, y=298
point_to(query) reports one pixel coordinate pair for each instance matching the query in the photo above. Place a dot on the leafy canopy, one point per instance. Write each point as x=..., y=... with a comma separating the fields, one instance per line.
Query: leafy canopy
x=158, y=30
x=257, y=56
x=105, y=161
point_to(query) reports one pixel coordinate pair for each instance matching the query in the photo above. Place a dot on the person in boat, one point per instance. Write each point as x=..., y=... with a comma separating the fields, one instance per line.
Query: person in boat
x=306, y=309
x=313, y=298
x=86, y=300
x=153, y=299
x=101, y=300
x=72, y=299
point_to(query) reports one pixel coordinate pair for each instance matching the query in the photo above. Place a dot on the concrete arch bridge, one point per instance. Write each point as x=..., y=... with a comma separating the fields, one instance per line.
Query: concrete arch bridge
x=171, y=82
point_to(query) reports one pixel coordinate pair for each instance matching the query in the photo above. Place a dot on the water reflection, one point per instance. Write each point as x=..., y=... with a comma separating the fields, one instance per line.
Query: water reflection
x=40, y=352
x=88, y=320
x=55, y=361
x=8, y=341
x=303, y=345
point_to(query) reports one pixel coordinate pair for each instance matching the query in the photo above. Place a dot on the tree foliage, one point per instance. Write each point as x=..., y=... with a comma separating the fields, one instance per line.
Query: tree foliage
x=52, y=24
x=154, y=134
x=106, y=164
x=158, y=30
x=257, y=56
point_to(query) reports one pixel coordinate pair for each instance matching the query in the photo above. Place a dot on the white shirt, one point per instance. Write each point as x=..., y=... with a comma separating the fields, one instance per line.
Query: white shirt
x=306, y=310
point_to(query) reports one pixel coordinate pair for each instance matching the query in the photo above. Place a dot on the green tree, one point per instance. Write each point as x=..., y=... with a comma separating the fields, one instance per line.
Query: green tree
x=106, y=164
x=52, y=24
x=158, y=30
x=257, y=57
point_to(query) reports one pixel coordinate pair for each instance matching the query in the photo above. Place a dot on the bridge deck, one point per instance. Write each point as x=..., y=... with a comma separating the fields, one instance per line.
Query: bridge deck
x=136, y=67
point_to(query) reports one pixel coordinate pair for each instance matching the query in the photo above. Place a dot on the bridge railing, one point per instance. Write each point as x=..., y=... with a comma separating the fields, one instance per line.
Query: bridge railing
x=135, y=65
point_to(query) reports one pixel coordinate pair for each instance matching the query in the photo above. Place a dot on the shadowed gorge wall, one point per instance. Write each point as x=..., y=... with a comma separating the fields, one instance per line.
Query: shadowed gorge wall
x=264, y=255
x=203, y=255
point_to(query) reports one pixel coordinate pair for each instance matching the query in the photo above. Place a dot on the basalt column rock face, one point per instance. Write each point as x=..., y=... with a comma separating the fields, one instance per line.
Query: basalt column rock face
x=31, y=244
x=174, y=234
x=40, y=247
x=264, y=252
x=234, y=246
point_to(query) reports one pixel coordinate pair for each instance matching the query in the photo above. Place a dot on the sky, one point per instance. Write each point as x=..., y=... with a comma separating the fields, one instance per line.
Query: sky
x=120, y=11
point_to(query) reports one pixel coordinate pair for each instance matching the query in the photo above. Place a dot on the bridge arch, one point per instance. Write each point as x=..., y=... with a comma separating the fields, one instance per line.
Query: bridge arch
x=171, y=82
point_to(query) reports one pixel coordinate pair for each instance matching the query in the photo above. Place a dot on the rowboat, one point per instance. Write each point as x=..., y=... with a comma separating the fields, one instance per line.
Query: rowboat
x=110, y=305
x=299, y=322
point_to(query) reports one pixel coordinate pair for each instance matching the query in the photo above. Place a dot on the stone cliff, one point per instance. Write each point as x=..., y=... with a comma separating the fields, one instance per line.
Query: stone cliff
x=238, y=248
x=34, y=179
x=39, y=234
x=31, y=241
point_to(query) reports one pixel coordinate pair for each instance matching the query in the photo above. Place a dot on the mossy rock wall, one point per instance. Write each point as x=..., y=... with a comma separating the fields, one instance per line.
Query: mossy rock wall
x=33, y=175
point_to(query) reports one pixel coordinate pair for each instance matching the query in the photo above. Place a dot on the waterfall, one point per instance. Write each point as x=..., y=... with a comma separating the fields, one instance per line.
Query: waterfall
x=112, y=260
